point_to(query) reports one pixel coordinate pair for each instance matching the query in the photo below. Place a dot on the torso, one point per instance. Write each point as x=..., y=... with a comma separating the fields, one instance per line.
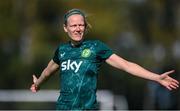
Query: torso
x=78, y=69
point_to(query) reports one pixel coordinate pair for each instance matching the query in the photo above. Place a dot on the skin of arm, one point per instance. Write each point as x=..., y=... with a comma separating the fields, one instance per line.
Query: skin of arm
x=46, y=73
x=136, y=70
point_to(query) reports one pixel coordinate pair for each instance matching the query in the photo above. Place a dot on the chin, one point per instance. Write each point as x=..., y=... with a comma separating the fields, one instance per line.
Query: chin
x=78, y=39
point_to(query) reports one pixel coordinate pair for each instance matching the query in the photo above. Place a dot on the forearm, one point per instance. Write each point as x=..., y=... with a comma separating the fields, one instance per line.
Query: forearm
x=131, y=68
x=49, y=70
x=44, y=75
x=139, y=71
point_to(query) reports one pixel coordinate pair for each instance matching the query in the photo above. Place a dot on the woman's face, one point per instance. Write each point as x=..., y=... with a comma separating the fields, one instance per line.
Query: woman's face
x=75, y=27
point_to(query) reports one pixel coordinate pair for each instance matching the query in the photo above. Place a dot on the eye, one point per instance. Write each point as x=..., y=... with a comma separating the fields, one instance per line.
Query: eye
x=73, y=25
x=81, y=25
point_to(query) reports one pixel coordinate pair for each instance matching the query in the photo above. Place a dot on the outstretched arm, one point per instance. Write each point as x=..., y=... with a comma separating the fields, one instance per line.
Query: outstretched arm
x=136, y=70
x=50, y=69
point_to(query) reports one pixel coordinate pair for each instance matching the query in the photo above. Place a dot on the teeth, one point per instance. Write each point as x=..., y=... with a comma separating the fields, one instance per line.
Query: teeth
x=78, y=34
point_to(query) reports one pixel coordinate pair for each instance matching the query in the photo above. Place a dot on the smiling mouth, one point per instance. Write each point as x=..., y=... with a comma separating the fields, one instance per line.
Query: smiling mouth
x=78, y=34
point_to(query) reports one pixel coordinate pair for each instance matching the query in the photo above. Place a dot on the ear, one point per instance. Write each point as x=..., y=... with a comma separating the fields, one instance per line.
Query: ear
x=65, y=29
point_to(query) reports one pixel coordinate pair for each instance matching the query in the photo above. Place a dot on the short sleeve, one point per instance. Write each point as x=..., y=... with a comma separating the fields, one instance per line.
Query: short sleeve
x=56, y=56
x=103, y=51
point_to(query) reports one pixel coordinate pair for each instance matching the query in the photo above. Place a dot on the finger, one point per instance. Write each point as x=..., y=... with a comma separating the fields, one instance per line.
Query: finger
x=169, y=72
x=172, y=86
x=169, y=88
x=164, y=75
x=33, y=88
x=175, y=81
x=34, y=78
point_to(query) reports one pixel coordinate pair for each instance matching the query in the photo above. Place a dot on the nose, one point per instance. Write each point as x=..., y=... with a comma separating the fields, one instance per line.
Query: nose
x=78, y=28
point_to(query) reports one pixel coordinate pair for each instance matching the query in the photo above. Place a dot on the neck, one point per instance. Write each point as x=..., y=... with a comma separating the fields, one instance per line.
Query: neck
x=75, y=44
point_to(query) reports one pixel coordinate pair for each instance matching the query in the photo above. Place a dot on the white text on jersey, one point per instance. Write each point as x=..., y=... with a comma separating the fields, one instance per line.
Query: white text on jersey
x=71, y=65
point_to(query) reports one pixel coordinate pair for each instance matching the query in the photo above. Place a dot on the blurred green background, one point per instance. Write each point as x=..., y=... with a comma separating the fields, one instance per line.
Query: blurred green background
x=146, y=32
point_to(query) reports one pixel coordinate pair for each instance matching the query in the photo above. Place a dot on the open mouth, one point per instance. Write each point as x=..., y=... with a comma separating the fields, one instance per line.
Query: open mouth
x=78, y=34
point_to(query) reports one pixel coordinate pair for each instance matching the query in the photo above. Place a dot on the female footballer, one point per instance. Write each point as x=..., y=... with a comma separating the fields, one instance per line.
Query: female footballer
x=79, y=61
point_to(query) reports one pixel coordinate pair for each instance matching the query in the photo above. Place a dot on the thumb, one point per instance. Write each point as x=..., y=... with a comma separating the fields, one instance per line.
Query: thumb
x=34, y=78
x=164, y=75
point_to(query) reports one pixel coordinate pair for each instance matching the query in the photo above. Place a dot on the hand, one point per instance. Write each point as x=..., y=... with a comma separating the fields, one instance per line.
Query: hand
x=167, y=81
x=34, y=88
